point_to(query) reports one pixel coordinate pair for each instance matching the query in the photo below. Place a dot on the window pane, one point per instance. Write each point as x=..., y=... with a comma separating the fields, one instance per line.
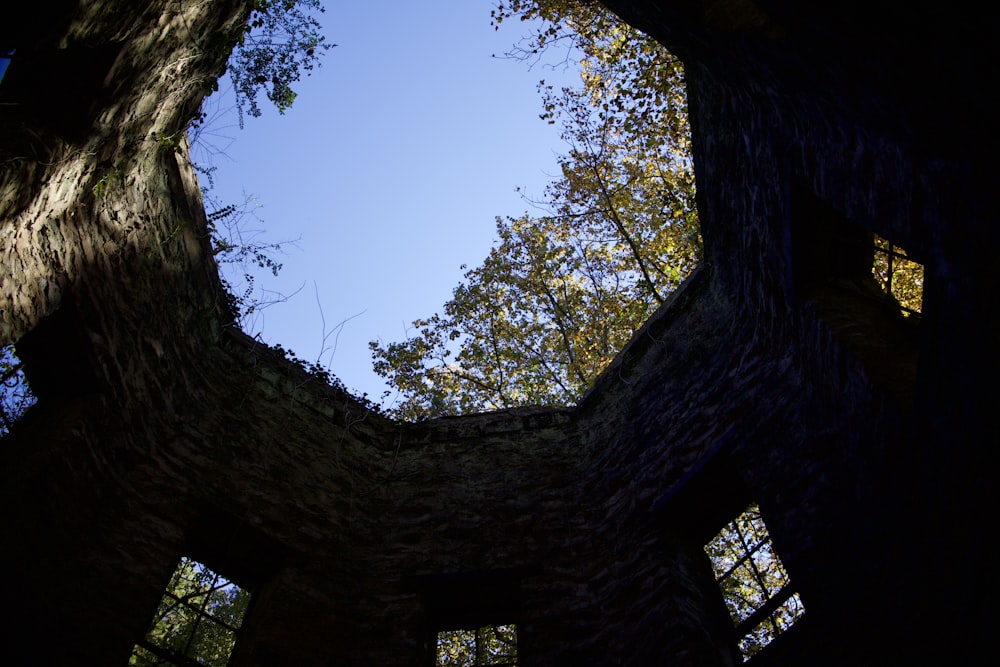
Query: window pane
x=725, y=551
x=498, y=643
x=456, y=648
x=756, y=639
x=789, y=612
x=175, y=623
x=743, y=593
x=227, y=603
x=772, y=574
x=751, y=529
x=212, y=644
x=144, y=658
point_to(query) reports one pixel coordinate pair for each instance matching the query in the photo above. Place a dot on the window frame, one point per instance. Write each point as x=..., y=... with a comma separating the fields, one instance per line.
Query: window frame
x=896, y=260
x=480, y=660
x=772, y=603
x=467, y=601
x=172, y=601
x=221, y=539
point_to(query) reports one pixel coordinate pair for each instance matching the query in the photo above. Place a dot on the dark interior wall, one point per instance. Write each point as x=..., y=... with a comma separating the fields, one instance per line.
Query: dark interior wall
x=880, y=460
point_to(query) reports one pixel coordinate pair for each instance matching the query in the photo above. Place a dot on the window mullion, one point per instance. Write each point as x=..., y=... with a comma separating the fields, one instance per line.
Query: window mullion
x=750, y=591
x=765, y=611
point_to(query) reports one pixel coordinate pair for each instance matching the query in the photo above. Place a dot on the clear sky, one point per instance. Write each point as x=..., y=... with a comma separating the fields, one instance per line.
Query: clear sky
x=389, y=170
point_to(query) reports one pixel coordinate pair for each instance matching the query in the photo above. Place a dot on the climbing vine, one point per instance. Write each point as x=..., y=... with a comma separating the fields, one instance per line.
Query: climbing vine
x=281, y=40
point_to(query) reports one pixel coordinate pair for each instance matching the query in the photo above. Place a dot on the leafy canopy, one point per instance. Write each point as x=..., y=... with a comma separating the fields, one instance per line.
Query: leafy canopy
x=561, y=292
x=280, y=41
x=15, y=394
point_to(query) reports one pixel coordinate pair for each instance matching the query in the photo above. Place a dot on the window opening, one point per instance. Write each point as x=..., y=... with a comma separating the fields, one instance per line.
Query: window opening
x=15, y=393
x=828, y=250
x=754, y=584
x=6, y=55
x=900, y=277
x=197, y=621
x=494, y=645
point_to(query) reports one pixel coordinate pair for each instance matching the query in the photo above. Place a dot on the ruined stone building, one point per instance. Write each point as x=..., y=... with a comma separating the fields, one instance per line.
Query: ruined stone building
x=775, y=376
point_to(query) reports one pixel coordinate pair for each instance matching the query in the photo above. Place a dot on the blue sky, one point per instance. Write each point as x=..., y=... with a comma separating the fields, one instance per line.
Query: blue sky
x=389, y=170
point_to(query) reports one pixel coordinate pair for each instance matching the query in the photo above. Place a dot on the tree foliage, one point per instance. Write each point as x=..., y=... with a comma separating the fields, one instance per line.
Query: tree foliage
x=240, y=253
x=562, y=291
x=15, y=394
x=280, y=41
x=898, y=276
